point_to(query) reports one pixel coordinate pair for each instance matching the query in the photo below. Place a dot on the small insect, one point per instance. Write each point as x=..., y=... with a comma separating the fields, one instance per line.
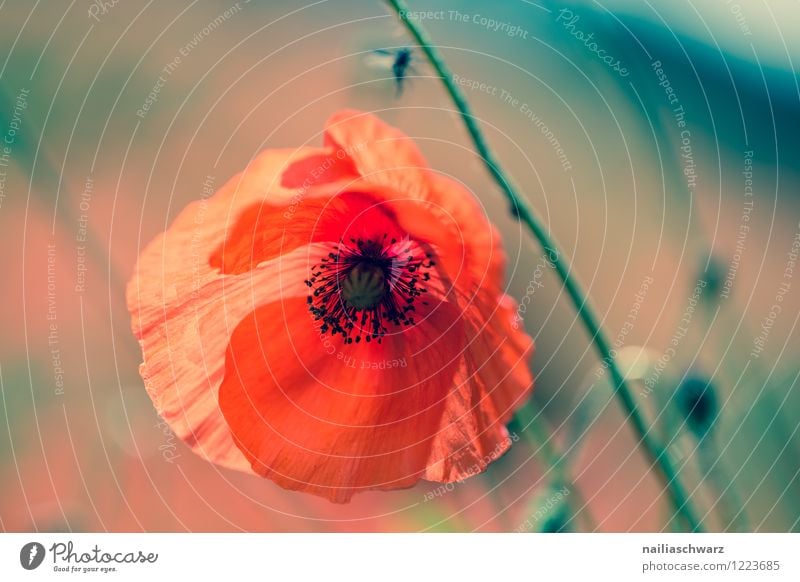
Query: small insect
x=400, y=61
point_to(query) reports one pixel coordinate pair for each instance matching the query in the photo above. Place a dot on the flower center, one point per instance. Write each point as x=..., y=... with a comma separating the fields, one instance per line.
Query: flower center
x=363, y=286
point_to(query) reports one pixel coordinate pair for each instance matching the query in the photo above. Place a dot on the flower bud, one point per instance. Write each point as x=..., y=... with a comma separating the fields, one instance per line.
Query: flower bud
x=697, y=403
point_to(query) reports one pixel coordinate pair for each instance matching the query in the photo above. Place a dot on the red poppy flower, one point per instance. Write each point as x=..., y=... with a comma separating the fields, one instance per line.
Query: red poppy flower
x=334, y=319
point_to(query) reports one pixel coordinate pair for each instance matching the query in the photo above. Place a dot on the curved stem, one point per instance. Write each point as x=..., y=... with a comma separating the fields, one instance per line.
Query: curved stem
x=655, y=451
x=535, y=432
x=731, y=507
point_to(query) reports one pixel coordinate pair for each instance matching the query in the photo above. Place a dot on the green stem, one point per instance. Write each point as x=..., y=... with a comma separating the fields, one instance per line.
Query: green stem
x=728, y=501
x=536, y=434
x=654, y=450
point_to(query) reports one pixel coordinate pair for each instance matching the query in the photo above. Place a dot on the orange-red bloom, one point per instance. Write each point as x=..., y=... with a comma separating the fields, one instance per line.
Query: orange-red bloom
x=334, y=319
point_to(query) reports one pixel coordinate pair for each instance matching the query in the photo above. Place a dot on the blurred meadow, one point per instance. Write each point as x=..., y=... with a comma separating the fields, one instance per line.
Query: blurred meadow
x=669, y=174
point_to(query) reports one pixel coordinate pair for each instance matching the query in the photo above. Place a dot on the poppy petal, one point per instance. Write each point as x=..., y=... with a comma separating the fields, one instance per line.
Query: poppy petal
x=317, y=415
x=184, y=351
x=385, y=155
x=493, y=382
x=174, y=290
x=265, y=230
x=381, y=153
x=319, y=168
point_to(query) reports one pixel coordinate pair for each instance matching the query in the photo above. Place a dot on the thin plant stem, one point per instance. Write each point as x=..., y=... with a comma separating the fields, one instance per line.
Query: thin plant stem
x=536, y=434
x=657, y=454
x=728, y=500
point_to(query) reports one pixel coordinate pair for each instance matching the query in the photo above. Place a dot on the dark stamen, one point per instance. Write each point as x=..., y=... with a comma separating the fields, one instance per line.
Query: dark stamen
x=364, y=286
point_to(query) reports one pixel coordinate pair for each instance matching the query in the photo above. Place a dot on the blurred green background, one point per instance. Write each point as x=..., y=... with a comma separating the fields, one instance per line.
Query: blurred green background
x=647, y=199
